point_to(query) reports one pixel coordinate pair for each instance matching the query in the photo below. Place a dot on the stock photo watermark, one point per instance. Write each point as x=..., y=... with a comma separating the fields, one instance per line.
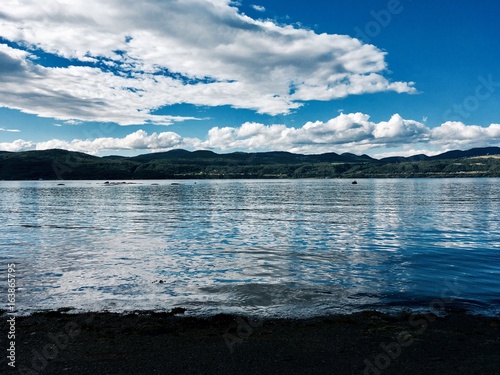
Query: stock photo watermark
x=380, y=20
x=483, y=91
x=392, y=351
x=11, y=314
x=244, y=330
x=56, y=343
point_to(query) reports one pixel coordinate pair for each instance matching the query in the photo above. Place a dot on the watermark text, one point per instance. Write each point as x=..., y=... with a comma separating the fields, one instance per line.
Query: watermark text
x=11, y=314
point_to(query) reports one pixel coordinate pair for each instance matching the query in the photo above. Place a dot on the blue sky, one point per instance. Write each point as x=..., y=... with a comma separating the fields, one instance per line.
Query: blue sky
x=395, y=77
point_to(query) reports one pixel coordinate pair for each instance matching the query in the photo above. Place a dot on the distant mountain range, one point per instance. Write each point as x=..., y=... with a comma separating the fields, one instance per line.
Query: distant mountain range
x=182, y=164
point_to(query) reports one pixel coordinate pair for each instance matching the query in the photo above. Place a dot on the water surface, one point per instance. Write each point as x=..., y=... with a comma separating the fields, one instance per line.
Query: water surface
x=265, y=247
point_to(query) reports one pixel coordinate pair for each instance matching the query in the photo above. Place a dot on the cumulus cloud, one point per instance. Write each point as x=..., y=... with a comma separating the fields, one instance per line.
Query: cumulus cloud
x=460, y=132
x=353, y=132
x=138, y=140
x=399, y=128
x=138, y=57
x=18, y=145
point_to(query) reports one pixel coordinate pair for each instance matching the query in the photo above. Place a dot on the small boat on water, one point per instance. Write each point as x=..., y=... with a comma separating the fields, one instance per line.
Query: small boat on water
x=355, y=182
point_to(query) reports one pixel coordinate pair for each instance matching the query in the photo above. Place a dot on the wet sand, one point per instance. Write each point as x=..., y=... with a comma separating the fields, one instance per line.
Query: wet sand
x=171, y=343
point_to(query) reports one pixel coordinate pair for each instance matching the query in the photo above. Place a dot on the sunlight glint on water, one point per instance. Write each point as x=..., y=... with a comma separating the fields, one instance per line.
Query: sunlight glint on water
x=274, y=247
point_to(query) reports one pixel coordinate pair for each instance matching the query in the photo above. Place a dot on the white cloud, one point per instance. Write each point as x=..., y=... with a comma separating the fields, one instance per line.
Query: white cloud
x=259, y=8
x=405, y=153
x=462, y=132
x=76, y=94
x=452, y=135
x=353, y=132
x=17, y=145
x=9, y=130
x=159, y=53
x=138, y=140
x=399, y=128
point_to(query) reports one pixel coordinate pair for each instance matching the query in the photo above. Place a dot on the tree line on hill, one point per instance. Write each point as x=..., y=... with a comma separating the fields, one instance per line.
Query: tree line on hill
x=181, y=164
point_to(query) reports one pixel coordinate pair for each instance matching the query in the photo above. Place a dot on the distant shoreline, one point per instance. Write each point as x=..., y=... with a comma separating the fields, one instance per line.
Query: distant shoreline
x=121, y=181
x=181, y=164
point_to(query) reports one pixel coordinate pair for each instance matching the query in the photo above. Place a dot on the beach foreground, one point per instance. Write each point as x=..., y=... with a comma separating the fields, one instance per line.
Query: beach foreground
x=170, y=343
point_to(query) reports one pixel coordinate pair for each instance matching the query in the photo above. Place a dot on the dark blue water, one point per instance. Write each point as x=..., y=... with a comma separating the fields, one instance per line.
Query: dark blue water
x=274, y=247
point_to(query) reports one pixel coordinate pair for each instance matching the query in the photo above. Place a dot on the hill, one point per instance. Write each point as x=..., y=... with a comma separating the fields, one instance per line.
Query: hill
x=182, y=164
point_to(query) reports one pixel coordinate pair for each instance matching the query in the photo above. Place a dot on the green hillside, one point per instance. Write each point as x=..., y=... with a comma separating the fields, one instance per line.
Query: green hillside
x=182, y=164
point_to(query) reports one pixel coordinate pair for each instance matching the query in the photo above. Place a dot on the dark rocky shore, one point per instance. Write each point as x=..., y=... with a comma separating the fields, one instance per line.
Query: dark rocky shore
x=170, y=343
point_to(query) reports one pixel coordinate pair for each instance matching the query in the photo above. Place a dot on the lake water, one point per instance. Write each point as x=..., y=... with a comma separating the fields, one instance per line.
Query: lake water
x=258, y=247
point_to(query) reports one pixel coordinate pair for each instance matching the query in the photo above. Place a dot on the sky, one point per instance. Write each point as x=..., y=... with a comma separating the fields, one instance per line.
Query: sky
x=376, y=77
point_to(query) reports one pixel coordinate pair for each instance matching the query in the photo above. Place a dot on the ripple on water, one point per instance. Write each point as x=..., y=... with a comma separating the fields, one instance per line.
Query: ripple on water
x=273, y=247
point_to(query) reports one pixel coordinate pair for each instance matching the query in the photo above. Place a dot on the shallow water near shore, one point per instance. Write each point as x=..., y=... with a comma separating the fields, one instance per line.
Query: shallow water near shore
x=289, y=248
